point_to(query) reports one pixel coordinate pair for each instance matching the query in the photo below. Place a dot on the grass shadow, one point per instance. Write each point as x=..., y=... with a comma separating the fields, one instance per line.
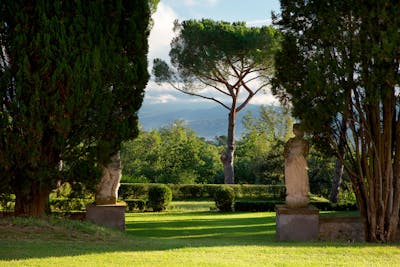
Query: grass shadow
x=160, y=232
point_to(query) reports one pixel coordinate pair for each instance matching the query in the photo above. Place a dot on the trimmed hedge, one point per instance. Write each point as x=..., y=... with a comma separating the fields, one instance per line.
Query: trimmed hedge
x=255, y=205
x=135, y=204
x=335, y=206
x=224, y=198
x=159, y=197
x=265, y=205
x=69, y=204
x=196, y=191
x=133, y=191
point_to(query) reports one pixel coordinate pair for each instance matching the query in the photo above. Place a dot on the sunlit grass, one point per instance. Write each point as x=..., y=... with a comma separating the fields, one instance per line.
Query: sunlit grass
x=181, y=237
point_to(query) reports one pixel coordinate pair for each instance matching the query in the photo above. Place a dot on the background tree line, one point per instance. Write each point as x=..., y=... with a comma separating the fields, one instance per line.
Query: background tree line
x=174, y=154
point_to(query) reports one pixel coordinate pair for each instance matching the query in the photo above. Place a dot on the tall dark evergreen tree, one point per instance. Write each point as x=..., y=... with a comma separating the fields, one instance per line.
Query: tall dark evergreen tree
x=339, y=64
x=72, y=77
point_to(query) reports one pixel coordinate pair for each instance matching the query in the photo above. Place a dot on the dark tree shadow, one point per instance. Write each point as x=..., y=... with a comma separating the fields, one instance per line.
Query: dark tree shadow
x=210, y=230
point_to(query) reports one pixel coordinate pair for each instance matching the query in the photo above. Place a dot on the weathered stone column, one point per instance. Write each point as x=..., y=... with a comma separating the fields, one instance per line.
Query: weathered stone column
x=106, y=211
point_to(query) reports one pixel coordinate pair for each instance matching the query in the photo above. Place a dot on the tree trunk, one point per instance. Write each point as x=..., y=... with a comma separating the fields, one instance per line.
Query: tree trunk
x=339, y=168
x=228, y=157
x=337, y=181
x=32, y=201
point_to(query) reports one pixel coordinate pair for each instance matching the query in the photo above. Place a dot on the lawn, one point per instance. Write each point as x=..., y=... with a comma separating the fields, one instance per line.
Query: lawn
x=190, y=234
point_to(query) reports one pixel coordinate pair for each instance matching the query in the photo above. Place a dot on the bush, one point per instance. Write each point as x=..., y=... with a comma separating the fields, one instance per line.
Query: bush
x=344, y=206
x=68, y=204
x=192, y=191
x=135, y=204
x=268, y=205
x=224, y=198
x=133, y=191
x=159, y=197
x=256, y=205
x=6, y=201
x=204, y=191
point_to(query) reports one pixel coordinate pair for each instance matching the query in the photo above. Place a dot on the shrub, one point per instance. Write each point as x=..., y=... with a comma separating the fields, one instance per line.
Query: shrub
x=191, y=191
x=68, y=204
x=159, y=197
x=133, y=191
x=256, y=205
x=224, y=198
x=268, y=205
x=135, y=204
x=6, y=201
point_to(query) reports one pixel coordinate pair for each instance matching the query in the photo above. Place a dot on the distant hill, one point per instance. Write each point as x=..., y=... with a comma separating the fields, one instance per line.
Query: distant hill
x=207, y=120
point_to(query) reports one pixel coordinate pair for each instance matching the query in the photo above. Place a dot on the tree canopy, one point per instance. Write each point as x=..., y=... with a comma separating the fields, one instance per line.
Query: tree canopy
x=231, y=59
x=72, y=76
x=339, y=69
x=172, y=154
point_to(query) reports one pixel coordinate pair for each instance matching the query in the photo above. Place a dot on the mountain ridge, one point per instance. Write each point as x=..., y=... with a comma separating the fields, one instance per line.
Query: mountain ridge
x=207, y=120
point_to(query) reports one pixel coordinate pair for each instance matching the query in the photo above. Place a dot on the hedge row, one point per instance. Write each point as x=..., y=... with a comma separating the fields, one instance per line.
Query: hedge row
x=68, y=204
x=195, y=191
x=136, y=204
x=260, y=205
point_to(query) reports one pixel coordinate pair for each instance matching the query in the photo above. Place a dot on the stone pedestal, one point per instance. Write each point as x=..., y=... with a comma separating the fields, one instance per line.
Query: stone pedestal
x=107, y=215
x=300, y=224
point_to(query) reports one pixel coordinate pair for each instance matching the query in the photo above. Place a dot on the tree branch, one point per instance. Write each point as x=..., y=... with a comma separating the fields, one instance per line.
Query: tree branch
x=199, y=95
x=213, y=86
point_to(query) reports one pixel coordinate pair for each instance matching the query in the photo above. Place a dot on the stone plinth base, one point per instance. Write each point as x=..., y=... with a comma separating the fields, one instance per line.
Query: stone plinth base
x=341, y=228
x=299, y=224
x=107, y=215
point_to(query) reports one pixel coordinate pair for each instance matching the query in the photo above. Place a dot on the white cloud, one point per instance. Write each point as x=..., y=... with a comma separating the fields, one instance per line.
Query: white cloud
x=259, y=22
x=162, y=32
x=192, y=3
x=212, y=2
x=161, y=98
x=264, y=99
x=163, y=93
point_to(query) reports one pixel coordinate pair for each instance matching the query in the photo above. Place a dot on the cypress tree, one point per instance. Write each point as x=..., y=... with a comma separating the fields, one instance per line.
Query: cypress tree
x=72, y=78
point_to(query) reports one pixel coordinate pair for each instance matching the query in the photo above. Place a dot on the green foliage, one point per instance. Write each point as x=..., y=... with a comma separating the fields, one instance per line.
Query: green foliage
x=224, y=198
x=70, y=197
x=133, y=191
x=192, y=191
x=321, y=169
x=68, y=204
x=269, y=205
x=203, y=191
x=72, y=80
x=339, y=68
x=256, y=205
x=134, y=179
x=174, y=154
x=259, y=153
x=205, y=47
x=136, y=204
x=6, y=201
x=159, y=197
x=227, y=57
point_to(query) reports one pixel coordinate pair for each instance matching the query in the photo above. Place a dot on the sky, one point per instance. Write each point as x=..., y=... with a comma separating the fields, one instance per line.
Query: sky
x=253, y=12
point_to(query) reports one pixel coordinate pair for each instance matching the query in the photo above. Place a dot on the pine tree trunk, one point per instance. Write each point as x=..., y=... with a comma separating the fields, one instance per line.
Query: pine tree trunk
x=33, y=201
x=228, y=157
